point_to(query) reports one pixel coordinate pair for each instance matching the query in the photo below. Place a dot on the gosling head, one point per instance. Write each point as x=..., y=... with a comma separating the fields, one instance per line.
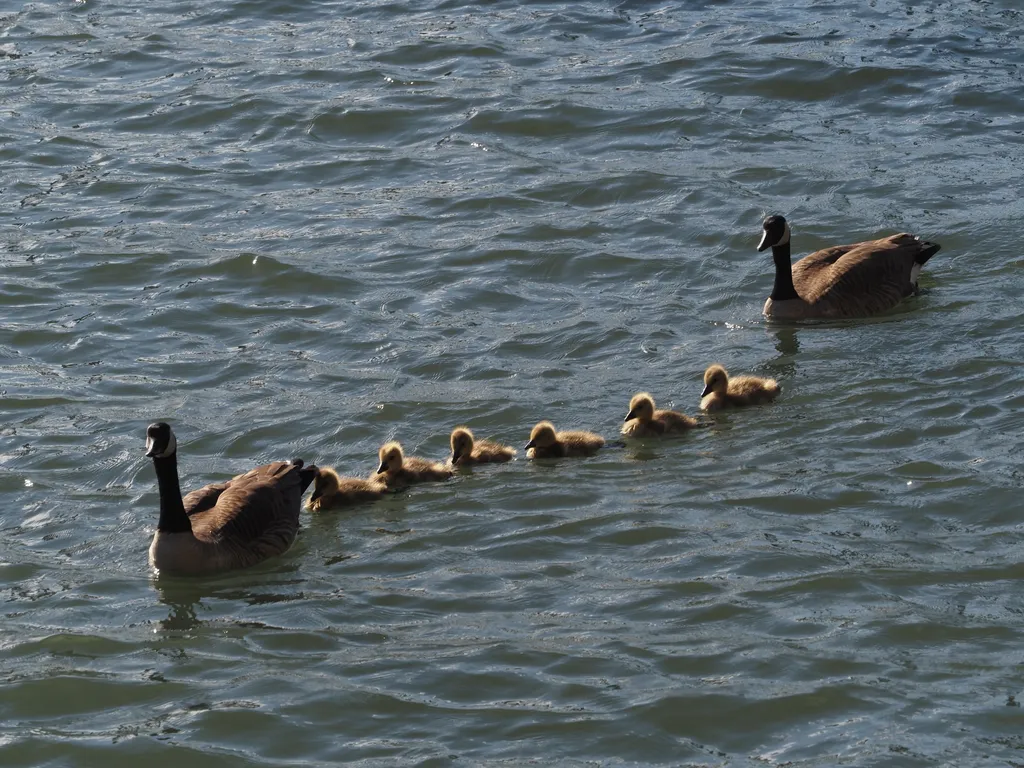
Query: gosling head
x=641, y=407
x=325, y=483
x=776, y=232
x=462, y=443
x=715, y=380
x=160, y=441
x=391, y=457
x=542, y=436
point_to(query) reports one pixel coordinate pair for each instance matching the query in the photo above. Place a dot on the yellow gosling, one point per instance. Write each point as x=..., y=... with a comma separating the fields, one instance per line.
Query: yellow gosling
x=545, y=443
x=331, y=490
x=397, y=470
x=467, y=450
x=722, y=392
x=644, y=421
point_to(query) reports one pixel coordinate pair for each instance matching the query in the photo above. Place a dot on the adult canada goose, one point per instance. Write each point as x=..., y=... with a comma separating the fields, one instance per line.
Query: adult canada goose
x=644, y=421
x=222, y=526
x=332, y=490
x=855, y=280
x=720, y=391
x=397, y=470
x=545, y=443
x=467, y=450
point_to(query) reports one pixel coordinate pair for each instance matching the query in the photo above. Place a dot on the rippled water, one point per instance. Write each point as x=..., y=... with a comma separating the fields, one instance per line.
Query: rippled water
x=305, y=228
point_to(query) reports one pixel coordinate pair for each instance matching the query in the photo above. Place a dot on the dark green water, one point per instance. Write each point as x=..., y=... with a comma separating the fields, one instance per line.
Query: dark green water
x=306, y=228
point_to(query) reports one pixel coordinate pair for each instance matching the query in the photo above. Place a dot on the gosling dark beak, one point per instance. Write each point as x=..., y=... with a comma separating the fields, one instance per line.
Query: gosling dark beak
x=764, y=244
x=382, y=468
x=631, y=415
x=316, y=494
x=529, y=445
x=707, y=391
x=456, y=457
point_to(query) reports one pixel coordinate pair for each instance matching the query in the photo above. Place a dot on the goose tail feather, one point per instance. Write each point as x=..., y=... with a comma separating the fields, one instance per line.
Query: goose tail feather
x=306, y=474
x=927, y=251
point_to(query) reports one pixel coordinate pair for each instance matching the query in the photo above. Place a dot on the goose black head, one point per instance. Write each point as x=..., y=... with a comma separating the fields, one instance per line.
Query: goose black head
x=776, y=232
x=160, y=441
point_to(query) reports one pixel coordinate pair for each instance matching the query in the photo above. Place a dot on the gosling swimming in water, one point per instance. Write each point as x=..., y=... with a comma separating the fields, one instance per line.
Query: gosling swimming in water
x=644, y=421
x=722, y=392
x=331, y=490
x=467, y=450
x=545, y=443
x=397, y=470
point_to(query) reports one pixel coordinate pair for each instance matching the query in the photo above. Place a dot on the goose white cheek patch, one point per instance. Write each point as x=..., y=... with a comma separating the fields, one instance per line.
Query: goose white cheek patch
x=172, y=446
x=785, y=236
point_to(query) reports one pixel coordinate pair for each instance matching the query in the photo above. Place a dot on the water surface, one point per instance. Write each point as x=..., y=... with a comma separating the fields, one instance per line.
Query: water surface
x=307, y=228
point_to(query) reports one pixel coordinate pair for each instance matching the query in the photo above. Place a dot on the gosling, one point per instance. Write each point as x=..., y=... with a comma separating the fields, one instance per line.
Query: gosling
x=330, y=490
x=644, y=421
x=722, y=392
x=545, y=443
x=397, y=470
x=466, y=450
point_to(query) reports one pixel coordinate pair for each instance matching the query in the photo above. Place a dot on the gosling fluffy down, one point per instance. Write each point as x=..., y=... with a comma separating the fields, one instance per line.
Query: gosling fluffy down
x=331, y=490
x=644, y=421
x=397, y=470
x=720, y=391
x=467, y=450
x=545, y=443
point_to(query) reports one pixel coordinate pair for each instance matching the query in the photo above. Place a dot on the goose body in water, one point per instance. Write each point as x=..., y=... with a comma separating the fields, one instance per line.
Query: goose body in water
x=222, y=526
x=857, y=280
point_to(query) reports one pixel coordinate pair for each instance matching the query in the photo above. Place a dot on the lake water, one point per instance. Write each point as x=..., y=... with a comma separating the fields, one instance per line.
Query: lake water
x=304, y=228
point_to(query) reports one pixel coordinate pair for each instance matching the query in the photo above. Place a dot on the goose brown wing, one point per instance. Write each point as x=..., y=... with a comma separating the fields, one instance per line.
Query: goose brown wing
x=859, y=279
x=204, y=498
x=813, y=272
x=258, y=510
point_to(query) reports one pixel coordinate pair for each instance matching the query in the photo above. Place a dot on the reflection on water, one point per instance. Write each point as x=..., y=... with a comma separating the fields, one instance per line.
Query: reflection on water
x=182, y=603
x=787, y=344
x=186, y=597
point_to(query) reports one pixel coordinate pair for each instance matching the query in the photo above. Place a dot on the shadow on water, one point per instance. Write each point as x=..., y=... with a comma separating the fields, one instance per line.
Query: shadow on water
x=182, y=599
x=788, y=346
x=185, y=596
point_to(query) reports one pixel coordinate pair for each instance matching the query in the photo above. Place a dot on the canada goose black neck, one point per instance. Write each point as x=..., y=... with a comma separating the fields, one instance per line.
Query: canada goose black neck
x=172, y=511
x=783, y=288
